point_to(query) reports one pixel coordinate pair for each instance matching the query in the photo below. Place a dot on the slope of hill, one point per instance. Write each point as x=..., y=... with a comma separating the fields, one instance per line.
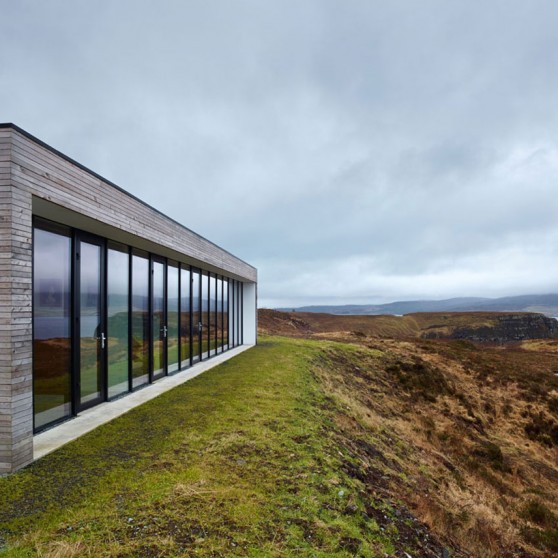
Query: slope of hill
x=545, y=304
x=313, y=448
x=465, y=434
x=491, y=327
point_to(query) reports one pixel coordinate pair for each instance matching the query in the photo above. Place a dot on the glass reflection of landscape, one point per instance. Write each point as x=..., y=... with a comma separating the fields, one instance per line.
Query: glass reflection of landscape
x=140, y=320
x=219, y=315
x=185, y=317
x=117, y=321
x=212, y=313
x=172, y=318
x=196, y=316
x=90, y=322
x=199, y=311
x=206, y=330
x=225, y=315
x=158, y=319
x=51, y=327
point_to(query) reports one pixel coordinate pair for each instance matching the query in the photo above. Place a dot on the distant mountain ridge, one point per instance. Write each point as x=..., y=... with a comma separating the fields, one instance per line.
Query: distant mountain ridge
x=545, y=304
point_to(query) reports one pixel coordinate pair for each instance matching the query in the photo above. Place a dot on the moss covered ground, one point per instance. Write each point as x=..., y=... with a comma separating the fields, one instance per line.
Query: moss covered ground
x=313, y=448
x=241, y=461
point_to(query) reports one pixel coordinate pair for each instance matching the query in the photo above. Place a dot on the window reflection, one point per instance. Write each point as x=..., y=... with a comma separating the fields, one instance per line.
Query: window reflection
x=219, y=315
x=200, y=310
x=206, y=330
x=117, y=320
x=196, y=316
x=213, y=313
x=225, y=314
x=158, y=319
x=140, y=320
x=51, y=326
x=90, y=328
x=185, y=317
x=172, y=318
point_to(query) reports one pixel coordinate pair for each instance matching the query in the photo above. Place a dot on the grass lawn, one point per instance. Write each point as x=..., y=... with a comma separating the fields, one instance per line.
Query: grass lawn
x=240, y=461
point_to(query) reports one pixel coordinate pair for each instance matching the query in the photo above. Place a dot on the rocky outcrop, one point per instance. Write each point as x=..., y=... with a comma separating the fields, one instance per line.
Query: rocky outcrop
x=505, y=328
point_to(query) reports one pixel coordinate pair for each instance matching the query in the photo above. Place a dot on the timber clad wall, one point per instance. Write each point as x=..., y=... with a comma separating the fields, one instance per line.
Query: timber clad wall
x=16, y=420
x=36, y=180
x=66, y=184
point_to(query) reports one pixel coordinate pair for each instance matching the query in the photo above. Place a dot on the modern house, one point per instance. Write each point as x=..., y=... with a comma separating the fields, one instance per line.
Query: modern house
x=100, y=294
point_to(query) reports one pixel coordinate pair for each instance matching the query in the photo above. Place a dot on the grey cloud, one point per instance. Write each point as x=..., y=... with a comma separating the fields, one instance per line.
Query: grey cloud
x=352, y=151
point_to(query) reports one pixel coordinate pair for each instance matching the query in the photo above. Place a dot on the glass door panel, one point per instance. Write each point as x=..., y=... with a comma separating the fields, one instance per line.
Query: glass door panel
x=90, y=325
x=232, y=314
x=140, y=320
x=172, y=318
x=159, y=320
x=185, y=328
x=225, y=314
x=219, y=297
x=51, y=326
x=204, y=327
x=118, y=278
x=197, y=325
x=212, y=313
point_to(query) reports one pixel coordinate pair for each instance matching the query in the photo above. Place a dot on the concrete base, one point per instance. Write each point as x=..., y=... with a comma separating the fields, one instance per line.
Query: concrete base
x=50, y=440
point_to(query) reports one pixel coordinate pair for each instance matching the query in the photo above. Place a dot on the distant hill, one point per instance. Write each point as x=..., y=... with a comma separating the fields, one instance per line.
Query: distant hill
x=482, y=327
x=545, y=304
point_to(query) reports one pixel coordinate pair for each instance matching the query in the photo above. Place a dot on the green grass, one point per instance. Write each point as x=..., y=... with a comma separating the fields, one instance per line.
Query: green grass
x=240, y=461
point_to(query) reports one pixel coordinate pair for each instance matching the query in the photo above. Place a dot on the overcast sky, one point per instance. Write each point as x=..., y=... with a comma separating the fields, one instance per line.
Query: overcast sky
x=353, y=151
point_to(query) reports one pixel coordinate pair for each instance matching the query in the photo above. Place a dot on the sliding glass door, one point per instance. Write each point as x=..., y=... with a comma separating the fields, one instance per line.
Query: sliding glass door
x=204, y=316
x=108, y=319
x=197, y=325
x=118, y=319
x=52, y=324
x=173, y=298
x=185, y=317
x=158, y=319
x=140, y=320
x=90, y=321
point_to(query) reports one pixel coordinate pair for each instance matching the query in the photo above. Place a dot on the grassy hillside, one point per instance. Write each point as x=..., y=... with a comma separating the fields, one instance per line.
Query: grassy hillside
x=312, y=448
x=245, y=460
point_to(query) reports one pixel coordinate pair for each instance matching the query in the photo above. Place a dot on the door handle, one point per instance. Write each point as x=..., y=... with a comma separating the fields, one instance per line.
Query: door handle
x=102, y=339
x=164, y=330
x=200, y=327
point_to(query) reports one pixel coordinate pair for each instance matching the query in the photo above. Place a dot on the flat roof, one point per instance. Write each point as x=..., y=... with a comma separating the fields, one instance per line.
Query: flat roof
x=9, y=125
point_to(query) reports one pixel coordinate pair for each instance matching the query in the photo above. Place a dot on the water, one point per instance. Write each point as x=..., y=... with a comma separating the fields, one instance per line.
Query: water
x=52, y=327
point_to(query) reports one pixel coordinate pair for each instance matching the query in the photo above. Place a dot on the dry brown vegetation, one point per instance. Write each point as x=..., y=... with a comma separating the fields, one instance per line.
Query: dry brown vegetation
x=464, y=435
x=483, y=326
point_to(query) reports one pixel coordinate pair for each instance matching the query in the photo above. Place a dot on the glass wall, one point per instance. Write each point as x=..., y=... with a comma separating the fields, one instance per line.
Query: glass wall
x=236, y=313
x=158, y=319
x=140, y=320
x=173, y=298
x=118, y=320
x=219, y=299
x=108, y=319
x=205, y=329
x=185, y=317
x=225, y=314
x=240, y=313
x=232, y=312
x=212, y=313
x=90, y=325
x=197, y=326
x=51, y=325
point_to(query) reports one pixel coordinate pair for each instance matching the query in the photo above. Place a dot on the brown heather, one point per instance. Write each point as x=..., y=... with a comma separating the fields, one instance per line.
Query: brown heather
x=465, y=434
x=341, y=439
